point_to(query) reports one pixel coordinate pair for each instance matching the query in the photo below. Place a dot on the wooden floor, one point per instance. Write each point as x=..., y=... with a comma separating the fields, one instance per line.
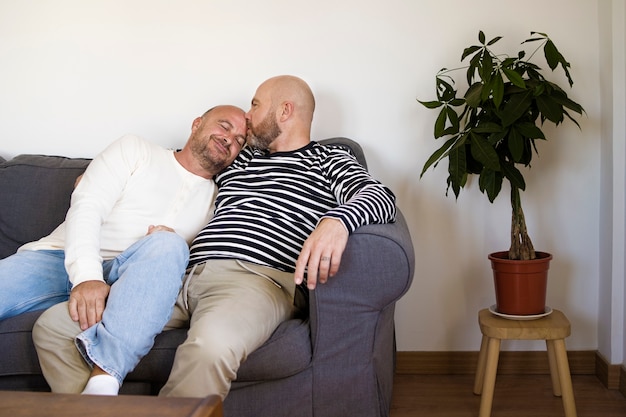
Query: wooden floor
x=515, y=396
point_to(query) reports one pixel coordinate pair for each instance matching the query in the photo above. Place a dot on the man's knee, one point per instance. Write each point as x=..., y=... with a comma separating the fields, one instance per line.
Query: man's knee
x=54, y=322
x=216, y=355
x=167, y=244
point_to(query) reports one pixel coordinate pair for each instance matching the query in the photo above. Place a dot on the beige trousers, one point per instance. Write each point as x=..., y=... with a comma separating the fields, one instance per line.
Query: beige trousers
x=230, y=307
x=63, y=366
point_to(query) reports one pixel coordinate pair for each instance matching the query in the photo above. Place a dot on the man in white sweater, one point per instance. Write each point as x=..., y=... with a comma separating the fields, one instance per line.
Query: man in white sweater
x=126, y=236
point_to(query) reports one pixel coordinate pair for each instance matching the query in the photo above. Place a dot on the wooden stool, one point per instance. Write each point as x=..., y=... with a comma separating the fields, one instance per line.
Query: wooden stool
x=553, y=328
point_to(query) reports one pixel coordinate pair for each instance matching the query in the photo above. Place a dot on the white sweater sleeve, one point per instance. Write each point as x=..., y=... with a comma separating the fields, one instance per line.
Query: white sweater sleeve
x=93, y=199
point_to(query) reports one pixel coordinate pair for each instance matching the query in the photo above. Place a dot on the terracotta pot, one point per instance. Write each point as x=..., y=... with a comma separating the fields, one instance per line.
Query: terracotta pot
x=520, y=285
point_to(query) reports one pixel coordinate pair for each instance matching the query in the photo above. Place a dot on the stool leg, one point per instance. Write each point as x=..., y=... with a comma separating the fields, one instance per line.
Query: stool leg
x=480, y=368
x=564, y=377
x=554, y=369
x=489, y=382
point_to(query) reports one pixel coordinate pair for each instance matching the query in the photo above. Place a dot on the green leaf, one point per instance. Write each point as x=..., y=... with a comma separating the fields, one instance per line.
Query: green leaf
x=453, y=118
x=486, y=66
x=440, y=123
x=539, y=89
x=530, y=130
x=445, y=90
x=483, y=152
x=516, y=144
x=542, y=37
x=509, y=63
x=472, y=68
x=494, y=40
x=553, y=57
x=516, y=107
x=497, y=89
x=490, y=182
x=550, y=109
x=514, y=176
x=487, y=127
x=436, y=156
x=533, y=73
x=447, y=122
x=431, y=104
x=570, y=117
x=514, y=77
x=461, y=140
x=457, y=169
x=567, y=102
x=497, y=136
x=469, y=51
x=473, y=94
x=481, y=37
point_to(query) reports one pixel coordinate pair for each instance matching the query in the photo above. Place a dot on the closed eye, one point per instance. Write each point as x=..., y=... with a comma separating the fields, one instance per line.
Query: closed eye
x=241, y=140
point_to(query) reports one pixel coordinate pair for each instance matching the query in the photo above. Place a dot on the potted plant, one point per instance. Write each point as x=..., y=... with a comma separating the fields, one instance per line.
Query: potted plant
x=491, y=129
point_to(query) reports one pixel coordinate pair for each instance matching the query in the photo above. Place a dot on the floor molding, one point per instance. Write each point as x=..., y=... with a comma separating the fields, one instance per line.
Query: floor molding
x=510, y=362
x=584, y=362
x=609, y=374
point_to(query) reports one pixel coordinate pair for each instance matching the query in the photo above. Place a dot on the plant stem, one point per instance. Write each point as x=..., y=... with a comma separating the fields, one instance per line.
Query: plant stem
x=537, y=49
x=521, y=245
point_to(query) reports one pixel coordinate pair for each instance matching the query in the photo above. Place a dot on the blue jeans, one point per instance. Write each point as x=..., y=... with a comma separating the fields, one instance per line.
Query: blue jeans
x=32, y=280
x=151, y=269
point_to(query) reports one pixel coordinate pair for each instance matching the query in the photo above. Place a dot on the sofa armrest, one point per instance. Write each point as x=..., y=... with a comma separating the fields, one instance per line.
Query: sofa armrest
x=352, y=322
x=376, y=270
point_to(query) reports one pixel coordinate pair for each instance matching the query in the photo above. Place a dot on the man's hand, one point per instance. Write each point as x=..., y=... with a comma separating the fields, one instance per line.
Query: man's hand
x=77, y=180
x=321, y=253
x=159, y=228
x=87, y=301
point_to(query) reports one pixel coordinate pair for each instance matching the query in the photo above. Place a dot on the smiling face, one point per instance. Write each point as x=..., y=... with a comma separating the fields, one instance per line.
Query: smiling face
x=217, y=137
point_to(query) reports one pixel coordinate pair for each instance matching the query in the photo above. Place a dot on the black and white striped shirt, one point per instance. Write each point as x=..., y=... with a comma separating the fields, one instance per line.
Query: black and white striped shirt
x=268, y=204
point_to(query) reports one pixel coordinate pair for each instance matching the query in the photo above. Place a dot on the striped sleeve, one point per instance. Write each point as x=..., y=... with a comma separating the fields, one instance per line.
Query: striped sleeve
x=361, y=199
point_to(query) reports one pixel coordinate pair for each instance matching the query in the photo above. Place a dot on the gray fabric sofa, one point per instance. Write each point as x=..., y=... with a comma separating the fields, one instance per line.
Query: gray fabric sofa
x=336, y=361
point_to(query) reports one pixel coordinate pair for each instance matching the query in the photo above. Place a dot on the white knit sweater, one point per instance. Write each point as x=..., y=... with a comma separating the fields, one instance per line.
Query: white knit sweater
x=131, y=185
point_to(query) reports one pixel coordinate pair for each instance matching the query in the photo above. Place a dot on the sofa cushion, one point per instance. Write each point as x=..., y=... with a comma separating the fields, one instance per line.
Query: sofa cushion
x=16, y=345
x=286, y=353
x=34, y=184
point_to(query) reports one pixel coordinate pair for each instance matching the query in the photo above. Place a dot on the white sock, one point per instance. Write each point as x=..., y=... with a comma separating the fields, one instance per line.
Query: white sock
x=102, y=385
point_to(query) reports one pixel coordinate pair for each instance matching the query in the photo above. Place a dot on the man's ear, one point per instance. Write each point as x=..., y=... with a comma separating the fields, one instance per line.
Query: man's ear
x=286, y=111
x=196, y=123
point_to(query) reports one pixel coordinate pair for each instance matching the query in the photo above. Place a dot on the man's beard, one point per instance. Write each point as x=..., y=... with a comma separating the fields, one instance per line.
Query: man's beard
x=264, y=134
x=207, y=157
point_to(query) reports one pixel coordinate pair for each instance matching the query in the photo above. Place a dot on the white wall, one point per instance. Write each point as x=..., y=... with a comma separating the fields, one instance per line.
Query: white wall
x=75, y=75
x=611, y=318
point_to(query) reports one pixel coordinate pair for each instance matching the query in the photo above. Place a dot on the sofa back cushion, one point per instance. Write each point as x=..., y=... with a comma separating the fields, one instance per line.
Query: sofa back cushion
x=35, y=194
